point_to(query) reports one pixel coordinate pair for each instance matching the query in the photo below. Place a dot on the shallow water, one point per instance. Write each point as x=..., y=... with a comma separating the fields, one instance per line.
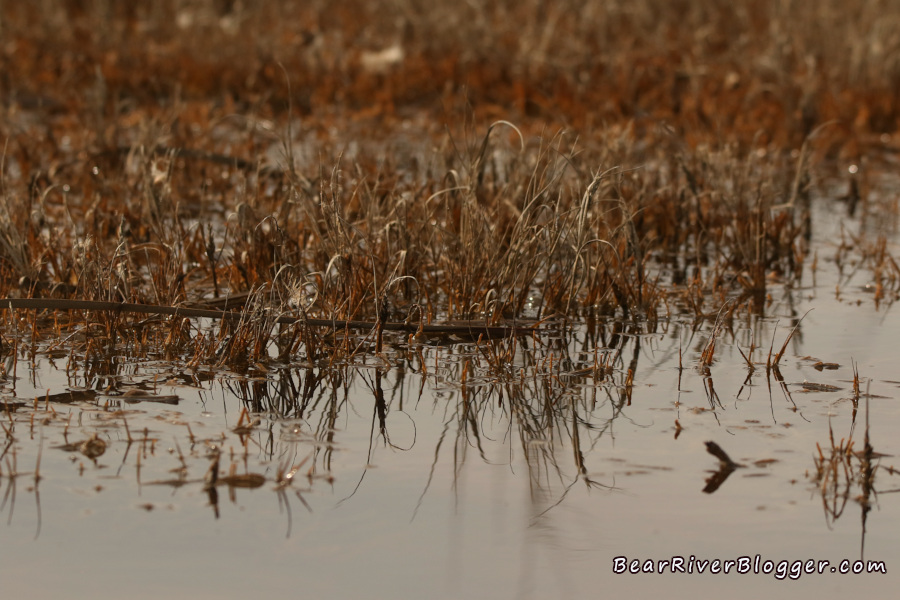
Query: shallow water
x=459, y=474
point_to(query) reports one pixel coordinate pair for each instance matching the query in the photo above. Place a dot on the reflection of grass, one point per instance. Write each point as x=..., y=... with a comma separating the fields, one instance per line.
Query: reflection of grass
x=87, y=437
x=840, y=470
x=551, y=403
x=538, y=401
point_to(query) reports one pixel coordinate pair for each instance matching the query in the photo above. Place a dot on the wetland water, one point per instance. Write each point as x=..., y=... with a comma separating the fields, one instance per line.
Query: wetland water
x=500, y=470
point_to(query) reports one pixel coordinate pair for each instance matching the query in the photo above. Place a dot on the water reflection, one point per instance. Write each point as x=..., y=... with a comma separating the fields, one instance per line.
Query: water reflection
x=564, y=391
x=574, y=415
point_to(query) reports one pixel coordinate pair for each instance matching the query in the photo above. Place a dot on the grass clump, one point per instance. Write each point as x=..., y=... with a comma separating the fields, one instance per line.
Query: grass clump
x=632, y=160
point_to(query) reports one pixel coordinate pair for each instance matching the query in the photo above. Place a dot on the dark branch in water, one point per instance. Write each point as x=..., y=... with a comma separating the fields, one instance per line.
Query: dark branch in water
x=466, y=328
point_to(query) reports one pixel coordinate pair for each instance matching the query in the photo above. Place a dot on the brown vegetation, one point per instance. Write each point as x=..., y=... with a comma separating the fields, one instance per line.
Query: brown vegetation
x=419, y=162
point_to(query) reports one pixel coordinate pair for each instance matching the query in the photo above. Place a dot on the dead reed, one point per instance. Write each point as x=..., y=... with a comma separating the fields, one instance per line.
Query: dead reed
x=134, y=175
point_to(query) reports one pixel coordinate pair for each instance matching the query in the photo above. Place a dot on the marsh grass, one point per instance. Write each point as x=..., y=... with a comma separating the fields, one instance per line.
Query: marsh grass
x=367, y=192
x=163, y=191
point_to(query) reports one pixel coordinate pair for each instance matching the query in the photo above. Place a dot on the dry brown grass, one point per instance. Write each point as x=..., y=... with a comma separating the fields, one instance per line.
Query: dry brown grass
x=419, y=162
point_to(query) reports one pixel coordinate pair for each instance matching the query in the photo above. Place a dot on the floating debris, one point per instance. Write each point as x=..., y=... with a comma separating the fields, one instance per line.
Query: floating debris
x=93, y=447
x=810, y=386
x=826, y=365
x=71, y=396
